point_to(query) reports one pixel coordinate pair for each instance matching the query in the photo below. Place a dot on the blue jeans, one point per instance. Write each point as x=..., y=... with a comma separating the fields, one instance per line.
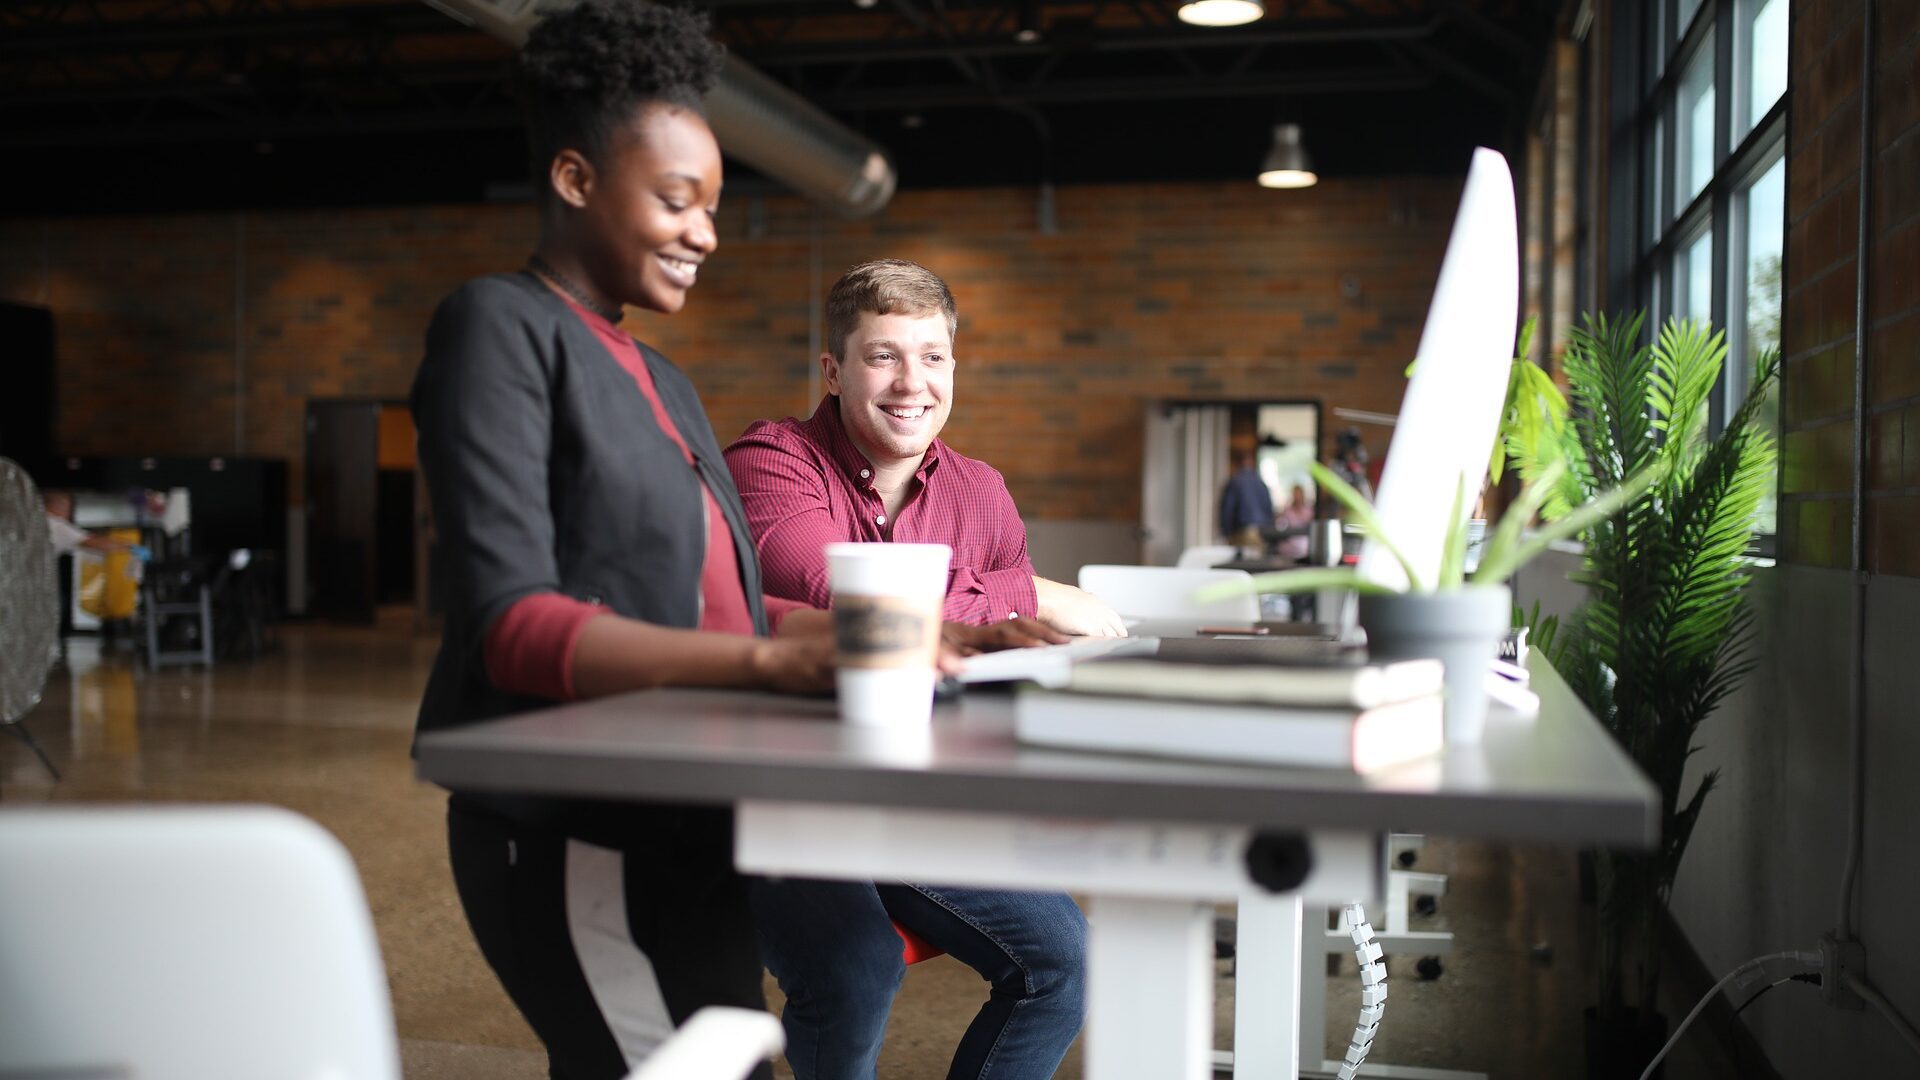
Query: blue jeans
x=832, y=947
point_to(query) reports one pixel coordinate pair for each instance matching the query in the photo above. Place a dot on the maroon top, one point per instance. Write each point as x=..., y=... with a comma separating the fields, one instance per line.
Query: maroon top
x=806, y=485
x=529, y=649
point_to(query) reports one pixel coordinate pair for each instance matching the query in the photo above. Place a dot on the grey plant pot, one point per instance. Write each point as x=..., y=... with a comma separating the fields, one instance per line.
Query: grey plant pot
x=1462, y=628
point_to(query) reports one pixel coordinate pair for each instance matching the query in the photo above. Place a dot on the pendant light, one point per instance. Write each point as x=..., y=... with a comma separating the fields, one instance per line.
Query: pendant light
x=1287, y=164
x=1221, y=12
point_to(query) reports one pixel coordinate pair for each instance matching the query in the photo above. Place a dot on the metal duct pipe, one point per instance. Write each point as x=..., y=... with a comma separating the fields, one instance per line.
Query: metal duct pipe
x=756, y=120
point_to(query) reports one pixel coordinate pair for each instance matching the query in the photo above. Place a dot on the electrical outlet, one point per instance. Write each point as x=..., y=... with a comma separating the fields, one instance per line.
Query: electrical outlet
x=1838, y=959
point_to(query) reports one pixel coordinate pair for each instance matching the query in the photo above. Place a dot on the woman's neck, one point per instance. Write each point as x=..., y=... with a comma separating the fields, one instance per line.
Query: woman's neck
x=565, y=274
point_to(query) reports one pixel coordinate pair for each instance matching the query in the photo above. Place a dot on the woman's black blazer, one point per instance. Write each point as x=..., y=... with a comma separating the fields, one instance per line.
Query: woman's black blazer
x=547, y=472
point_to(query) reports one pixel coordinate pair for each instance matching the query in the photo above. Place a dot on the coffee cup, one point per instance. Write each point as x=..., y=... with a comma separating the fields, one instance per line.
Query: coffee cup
x=887, y=604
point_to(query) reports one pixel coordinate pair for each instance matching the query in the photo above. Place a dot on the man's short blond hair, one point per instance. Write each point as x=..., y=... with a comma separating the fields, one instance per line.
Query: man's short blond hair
x=884, y=287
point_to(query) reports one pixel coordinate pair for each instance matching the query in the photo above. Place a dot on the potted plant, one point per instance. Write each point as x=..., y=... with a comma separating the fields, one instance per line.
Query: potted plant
x=1664, y=633
x=1460, y=616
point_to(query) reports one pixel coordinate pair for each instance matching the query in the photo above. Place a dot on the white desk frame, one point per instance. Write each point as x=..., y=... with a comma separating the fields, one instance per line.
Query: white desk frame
x=1151, y=889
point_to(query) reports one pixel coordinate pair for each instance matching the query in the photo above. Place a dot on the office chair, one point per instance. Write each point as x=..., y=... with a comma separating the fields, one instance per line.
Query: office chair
x=1206, y=556
x=222, y=943
x=1166, y=592
x=29, y=604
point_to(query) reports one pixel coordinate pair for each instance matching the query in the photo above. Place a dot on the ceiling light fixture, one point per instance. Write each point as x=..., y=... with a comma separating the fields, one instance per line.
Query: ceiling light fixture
x=1287, y=164
x=1029, y=22
x=1221, y=12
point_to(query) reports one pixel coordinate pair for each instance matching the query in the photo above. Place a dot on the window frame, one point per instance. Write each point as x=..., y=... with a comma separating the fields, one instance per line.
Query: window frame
x=1652, y=57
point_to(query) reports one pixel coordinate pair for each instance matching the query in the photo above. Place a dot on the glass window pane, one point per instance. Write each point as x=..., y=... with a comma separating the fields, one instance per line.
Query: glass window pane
x=1662, y=44
x=1694, y=133
x=1652, y=186
x=1758, y=300
x=1765, y=60
x=1764, y=213
x=1693, y=281
x=1687, y=10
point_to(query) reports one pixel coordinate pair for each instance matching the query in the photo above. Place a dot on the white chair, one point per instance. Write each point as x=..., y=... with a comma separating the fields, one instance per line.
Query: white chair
x=1206, y=556
x=716, y=1042
x=1166, y=592
x=221, y=943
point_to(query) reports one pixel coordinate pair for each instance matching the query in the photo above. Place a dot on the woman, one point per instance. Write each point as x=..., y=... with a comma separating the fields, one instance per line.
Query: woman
x=591, y=542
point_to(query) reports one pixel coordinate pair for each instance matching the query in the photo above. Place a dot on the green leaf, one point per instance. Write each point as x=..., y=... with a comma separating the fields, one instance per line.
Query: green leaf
x=1506, y=536
x=1453, y=554
x=1290, y=581
x=1362, y=511
x=1598, y=509
x=1531, y=418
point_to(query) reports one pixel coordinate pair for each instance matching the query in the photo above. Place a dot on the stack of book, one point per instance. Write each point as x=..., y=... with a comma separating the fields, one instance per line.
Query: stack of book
x=1350, y=715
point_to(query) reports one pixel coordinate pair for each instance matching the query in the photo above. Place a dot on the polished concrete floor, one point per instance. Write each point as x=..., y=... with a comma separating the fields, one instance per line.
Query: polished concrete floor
x=321, y=725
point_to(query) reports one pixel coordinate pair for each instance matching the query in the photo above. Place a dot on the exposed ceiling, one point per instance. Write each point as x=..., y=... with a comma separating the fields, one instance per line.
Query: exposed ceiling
x=115, y=105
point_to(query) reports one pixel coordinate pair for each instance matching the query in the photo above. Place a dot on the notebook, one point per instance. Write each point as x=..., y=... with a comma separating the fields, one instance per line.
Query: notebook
x=1339, y=682
x=1355, y=740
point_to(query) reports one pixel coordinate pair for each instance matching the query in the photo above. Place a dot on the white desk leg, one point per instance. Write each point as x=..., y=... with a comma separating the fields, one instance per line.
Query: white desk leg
x=1266, y=981
x=1149, y=970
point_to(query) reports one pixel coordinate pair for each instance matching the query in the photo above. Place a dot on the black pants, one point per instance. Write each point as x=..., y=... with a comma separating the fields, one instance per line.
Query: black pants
x=607, y=947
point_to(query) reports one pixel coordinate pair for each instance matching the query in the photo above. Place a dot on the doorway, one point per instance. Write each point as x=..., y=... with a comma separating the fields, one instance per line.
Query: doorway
x=1187, y=447
x=360, y=507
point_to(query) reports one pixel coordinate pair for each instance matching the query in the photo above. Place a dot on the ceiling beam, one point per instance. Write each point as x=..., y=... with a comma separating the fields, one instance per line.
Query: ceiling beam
x=892, y=98
x=1110, y=42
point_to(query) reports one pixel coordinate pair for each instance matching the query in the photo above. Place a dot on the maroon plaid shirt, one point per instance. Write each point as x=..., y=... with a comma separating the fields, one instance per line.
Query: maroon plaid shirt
x=805, y=486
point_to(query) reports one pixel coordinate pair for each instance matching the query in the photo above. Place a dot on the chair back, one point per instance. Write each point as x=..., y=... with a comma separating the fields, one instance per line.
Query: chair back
x=186, y=943
x=1166, y=592
x=29, y=599
x=1206, y=556
x=716, y=1042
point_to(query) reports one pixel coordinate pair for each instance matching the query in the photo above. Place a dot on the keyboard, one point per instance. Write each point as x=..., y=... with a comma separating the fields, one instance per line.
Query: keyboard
x=1050, y=665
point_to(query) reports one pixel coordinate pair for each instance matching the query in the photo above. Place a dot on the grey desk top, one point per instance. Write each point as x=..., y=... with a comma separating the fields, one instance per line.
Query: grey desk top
x=1556, y=778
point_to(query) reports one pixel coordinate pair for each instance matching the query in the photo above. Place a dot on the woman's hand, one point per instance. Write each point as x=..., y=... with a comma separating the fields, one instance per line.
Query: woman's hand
x=1019, y=633
x=794, y=665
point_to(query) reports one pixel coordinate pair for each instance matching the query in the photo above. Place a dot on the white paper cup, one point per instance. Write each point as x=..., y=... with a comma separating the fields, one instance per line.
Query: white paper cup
x=887, y=601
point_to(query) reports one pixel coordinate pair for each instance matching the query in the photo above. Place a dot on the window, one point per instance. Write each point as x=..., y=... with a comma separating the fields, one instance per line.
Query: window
x=1694, y=154
x=1693, y=278
x=1761, y=55
x=1711, y=175
x=1688, y=9
x=1755, y=300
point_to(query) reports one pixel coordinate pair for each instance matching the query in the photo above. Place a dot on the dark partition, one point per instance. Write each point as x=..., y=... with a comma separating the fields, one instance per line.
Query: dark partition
x=26, y=372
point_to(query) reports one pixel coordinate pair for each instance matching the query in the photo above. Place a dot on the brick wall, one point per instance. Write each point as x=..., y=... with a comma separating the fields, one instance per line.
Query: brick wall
x=1221, y=291
x=1818, y=323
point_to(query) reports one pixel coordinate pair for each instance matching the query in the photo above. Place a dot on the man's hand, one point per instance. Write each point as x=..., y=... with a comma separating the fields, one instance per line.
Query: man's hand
x=1073, y=611
x=1018, y=633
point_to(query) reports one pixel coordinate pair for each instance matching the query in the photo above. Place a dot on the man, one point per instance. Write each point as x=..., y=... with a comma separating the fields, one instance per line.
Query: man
x=1246, y=506
x=69, y=538
x=869, y=466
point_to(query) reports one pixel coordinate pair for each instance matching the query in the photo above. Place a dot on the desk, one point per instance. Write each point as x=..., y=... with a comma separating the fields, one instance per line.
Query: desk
x=1151, y=842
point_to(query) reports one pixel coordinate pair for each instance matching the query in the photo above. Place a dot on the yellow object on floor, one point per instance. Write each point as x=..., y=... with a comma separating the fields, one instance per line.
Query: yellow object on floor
x=110, y=582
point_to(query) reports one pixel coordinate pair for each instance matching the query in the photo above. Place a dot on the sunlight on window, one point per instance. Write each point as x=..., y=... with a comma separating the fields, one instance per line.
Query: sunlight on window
x=1766, y=59
x=1697, y=304
x=1695, y=134
x=1764, y=211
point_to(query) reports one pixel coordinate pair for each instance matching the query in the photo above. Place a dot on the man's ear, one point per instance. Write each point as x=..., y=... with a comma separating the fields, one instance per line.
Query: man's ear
x=830, y=373
x=572, y=177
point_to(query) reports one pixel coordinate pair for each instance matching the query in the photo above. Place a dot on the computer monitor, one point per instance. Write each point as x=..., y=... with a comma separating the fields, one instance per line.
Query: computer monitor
x=1450, y=415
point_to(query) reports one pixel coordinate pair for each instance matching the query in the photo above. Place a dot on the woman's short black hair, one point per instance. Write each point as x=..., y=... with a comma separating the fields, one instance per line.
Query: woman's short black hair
x=584, y=70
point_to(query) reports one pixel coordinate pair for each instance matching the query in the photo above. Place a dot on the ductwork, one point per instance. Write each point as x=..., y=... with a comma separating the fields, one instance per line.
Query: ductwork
x=757, y=120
